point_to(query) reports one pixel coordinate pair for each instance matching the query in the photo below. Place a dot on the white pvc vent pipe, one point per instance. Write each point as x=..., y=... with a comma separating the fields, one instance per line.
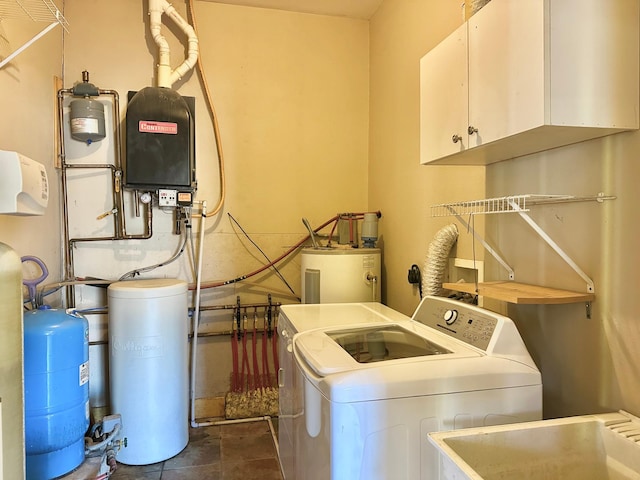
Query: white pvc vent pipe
x=436, y=260
x=166, y=76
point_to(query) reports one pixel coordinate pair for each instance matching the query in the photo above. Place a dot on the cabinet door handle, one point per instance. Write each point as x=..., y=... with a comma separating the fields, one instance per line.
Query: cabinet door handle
x=471, y=130
x=456, y=138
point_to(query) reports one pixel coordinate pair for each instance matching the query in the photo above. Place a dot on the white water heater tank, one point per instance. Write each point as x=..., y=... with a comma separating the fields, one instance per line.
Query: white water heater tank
x=148, y=363
x=340, y=275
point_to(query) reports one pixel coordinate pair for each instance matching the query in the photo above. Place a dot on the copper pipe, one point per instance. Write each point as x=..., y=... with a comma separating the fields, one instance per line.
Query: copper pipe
x=120, y=229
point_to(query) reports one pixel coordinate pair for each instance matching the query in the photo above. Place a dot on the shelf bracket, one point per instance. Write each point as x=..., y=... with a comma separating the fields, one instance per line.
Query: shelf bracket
x=36, y=10
x=487, y=247
x=554, y=245
x=18, y=51
x=518, y=204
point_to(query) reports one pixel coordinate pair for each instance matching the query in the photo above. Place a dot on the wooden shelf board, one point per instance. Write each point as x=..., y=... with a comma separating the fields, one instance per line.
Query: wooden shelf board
x=521, y=293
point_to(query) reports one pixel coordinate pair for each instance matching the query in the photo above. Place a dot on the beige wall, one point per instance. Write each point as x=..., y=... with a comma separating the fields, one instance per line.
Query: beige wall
x=403, y=31
x=26, y=126
x=588, y=365
x=291, y=95
x=292, y=104
x=292, y=99
x=319, y=115
x=26, y=104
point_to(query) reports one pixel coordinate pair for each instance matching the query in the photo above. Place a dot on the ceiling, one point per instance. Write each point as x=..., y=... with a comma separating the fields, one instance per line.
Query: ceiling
x=342, y=8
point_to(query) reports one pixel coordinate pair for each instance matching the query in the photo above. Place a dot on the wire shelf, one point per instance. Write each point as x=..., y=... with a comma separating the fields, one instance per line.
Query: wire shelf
x=508, y=204
x=36, y=10
x=518, y=204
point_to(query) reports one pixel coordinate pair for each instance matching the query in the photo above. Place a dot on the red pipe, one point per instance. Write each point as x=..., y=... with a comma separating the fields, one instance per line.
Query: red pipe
x=254, y=342
x=214, y=284
x=234, y=353
x=266, y=382
x=245, y=362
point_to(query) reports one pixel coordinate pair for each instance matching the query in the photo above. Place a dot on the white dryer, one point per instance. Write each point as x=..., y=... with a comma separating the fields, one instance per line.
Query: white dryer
x=364, y=395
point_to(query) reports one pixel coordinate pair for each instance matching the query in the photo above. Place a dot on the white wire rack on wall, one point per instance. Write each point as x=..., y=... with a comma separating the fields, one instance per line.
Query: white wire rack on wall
x=36, y=10
x=509, y=204
x=519, y=204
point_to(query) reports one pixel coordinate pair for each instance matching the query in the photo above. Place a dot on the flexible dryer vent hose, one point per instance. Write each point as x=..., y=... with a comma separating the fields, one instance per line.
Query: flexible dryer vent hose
x=436, y=261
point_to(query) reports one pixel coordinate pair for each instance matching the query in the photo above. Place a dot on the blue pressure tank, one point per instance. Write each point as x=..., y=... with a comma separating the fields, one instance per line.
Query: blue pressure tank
x=56, y=391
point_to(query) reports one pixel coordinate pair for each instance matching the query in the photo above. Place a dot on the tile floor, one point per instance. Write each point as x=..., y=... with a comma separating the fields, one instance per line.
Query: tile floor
x=241, y=451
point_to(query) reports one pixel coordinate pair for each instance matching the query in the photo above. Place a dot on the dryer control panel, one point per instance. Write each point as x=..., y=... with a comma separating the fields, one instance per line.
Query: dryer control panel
x=459, y=320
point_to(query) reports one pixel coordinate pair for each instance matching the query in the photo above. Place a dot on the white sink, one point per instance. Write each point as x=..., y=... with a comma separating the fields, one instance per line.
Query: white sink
x=588, y=447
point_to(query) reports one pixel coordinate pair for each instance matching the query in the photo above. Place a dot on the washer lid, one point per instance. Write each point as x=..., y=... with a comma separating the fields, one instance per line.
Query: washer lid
x=334, y=350
x=381, y=343
x=301, y=317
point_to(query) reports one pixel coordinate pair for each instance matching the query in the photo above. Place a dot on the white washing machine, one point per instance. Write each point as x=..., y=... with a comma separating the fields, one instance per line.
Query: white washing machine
x=363, y=395
x=294, y=319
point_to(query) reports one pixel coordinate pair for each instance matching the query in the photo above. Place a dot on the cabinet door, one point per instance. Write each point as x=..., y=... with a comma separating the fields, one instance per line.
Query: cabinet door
x=506, y=69
x=594, y=63
x=444, y=98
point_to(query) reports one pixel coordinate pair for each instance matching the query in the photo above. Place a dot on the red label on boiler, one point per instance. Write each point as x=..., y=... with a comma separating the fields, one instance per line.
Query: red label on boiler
x=147, y=126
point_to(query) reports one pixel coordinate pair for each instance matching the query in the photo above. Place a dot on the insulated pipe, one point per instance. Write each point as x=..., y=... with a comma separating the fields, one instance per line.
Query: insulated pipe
x=167, y=77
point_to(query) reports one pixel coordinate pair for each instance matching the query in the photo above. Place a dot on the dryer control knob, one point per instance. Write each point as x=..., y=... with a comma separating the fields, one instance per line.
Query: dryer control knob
x=450, y=316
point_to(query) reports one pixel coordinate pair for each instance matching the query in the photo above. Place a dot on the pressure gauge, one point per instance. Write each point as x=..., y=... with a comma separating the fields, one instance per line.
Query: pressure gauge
x=145, y=197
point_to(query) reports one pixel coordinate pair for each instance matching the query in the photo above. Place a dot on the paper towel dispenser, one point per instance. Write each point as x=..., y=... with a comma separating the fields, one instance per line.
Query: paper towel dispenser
x=24, y=186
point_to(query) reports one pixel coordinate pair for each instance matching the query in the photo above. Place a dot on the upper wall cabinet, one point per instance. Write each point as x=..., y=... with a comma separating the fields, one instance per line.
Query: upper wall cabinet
x=522, y=76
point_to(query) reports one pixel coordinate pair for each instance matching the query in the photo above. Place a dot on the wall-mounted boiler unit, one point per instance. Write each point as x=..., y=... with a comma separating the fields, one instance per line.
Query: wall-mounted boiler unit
x=161, y=143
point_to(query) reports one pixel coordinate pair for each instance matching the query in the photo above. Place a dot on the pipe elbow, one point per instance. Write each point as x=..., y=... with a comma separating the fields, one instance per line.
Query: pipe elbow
x=189, y=63
x=167, y=77
x=160, y=41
